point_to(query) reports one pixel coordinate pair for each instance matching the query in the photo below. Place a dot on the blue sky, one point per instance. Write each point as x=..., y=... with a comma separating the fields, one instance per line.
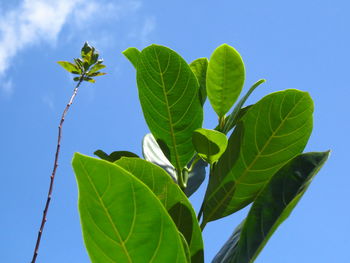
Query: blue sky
x=293, y=44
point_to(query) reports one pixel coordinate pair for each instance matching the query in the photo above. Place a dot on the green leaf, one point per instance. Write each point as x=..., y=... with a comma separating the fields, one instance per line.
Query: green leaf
x=89, y=79
x=114, y=156
x=168, y=92
x=209, y=144
x=70, y=67
x=96, y=68
x=132, y=54
x=199, y=68
x=122, y=220
x=173, y=199
x=225, y=78
x=76, y=78
x=232, y=119
x=195, y=177
x=273, y=205
x=152, y=153
x=95, y=74
x=272, y=132
x=86, y=50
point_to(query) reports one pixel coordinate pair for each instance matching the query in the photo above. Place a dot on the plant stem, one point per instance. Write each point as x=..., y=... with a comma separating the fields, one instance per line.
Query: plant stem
x=52, y=177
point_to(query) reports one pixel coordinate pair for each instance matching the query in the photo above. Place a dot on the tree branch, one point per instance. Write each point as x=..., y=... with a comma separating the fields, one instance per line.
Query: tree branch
x=52, y=177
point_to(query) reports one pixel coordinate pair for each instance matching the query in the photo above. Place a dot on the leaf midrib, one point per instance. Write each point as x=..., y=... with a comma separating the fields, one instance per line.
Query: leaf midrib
x=251, y=164
x=172, y=134
x=106, y=212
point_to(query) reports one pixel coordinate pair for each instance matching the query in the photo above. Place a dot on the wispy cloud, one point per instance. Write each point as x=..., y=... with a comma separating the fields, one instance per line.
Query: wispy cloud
x=34, y=22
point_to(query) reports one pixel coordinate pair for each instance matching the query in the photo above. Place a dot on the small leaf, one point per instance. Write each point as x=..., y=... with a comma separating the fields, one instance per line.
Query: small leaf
x=89, y=79
x=79, y=63
x=94, y=57
x=76, y=78
x=273, y=131
x=225, y=78
x=96, y=68
x=121, y=218
x=273, y=205
x=199, y=68
x=209, y=144
x=171, y=196
x=86, y=50
x=114, y=156
x=95, y=74
x=132, y=54
x=70, y=67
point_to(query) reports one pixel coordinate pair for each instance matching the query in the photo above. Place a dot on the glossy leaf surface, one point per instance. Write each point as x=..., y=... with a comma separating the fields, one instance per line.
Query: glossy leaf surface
x=209, y=144
x=225, y=78
x=168, y=92
x=152, y=153
x=273, y=205
x=173, y=199
x=199, y=68
x=121, y=218
x=272, y=132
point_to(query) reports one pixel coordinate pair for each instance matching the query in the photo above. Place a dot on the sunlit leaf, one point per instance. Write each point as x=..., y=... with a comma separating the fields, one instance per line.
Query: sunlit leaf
x=171, y=196
x=132, y=54
x=209, y=144
x=199, y=68
x=168, y=92
x=122, y=220
x=70, y=67
x=273, y=205
x=272, y=132
x=225, y=78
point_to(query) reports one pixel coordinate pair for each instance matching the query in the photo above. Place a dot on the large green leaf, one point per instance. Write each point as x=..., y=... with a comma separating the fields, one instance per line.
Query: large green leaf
x=272, y=132
x=173, y=199
x=121, y=218
x=209, y=144
x=225, y=78
x=168, y=92
x=199, y=68
x=273, y=205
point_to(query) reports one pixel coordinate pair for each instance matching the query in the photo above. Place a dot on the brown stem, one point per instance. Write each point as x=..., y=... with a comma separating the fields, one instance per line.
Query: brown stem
x=52, y=177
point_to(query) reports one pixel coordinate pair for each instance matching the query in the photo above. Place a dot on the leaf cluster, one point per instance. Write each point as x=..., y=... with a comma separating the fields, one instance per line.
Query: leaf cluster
x=87, y=66
x=137, y=210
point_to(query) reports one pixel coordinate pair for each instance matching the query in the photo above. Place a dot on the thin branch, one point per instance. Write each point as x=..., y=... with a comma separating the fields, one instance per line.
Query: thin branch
x=52, y=177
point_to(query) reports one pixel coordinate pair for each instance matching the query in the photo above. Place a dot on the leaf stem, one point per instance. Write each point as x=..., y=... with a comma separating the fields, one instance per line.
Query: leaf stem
x=52, y=177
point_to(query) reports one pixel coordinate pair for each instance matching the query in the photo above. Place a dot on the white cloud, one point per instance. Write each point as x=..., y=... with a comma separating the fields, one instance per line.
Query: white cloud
x=36, y=21
x=32, y=22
